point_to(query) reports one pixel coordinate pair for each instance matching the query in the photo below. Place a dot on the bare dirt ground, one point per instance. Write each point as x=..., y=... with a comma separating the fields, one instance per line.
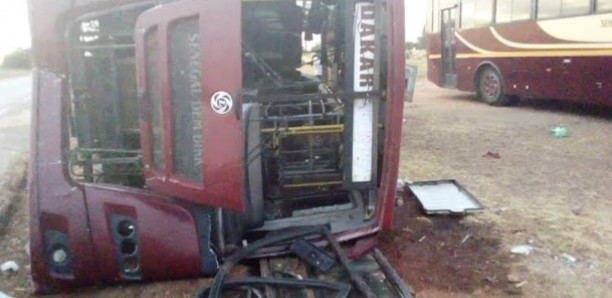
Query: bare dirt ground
x=551, y=193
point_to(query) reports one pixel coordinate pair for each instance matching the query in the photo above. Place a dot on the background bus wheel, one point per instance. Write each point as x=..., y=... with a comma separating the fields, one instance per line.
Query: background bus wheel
x=491, y=87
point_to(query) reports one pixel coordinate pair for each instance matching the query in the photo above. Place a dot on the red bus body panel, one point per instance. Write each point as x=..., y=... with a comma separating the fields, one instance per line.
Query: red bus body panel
x=221, y=69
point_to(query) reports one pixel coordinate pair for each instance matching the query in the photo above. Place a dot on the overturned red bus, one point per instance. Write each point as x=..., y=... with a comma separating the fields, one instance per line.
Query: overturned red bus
x=166, y=133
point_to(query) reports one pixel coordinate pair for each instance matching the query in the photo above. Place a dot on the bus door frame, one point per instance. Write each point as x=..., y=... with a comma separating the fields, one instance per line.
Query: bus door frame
x=448, y=52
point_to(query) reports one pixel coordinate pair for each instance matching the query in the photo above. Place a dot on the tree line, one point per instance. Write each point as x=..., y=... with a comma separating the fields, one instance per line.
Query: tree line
x=19, y=59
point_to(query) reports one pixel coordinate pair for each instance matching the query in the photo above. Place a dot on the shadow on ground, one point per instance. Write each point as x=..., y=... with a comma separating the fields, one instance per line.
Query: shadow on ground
x=550, y=105
x=555, y=105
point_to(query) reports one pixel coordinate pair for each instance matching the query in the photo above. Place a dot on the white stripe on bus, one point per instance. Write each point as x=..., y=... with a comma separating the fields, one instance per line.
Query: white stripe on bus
x=531, y=46
x=527, y=54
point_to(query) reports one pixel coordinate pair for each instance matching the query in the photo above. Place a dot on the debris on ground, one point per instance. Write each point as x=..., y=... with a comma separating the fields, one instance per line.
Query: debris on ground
x=569, y=257
x=520, y=284
x=493, y=155
x=438, y=259
x=2, y=295
x=522, y=250
x=9, y=267
x=577, y=209
x=444, y=197
x=399, y=202
x=381, y=280
x=559, y=132
x=514, y=277
x=466, y=238
x=402, y=185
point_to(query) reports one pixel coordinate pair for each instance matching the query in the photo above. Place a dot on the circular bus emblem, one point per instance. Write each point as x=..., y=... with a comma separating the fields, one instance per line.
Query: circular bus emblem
x=221, y=102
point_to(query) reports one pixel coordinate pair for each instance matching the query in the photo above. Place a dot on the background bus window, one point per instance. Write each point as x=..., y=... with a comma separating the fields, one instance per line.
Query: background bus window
x=186, y=90
x=155, y=97
x=549, y=9
x=521, y=10
x=575, y=7
x=436, y=16
x=429, y=12
x=484, y=12
x=504, y=12
x=467, y=14
x=604, y=5
x=514, y=10
x=448, y=3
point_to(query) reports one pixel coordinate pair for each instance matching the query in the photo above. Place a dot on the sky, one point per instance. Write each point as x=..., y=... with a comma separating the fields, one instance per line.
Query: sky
x=15, y=31
x=14, y=26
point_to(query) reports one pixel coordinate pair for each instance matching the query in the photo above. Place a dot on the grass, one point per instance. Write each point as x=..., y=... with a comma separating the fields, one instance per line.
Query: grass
x=6, y=73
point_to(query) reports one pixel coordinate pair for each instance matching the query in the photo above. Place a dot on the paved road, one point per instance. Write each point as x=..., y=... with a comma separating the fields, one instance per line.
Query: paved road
x=15, y=101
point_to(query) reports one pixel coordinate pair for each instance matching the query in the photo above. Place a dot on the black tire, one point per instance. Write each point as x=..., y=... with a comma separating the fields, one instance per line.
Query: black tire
x=253, y=217
x=490, y=87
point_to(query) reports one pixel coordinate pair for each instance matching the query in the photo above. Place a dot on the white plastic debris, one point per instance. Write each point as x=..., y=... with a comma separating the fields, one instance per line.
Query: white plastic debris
x=401, y=185
x=2, y=295
x=568, y=257
x=522, y=250
x=9, y=267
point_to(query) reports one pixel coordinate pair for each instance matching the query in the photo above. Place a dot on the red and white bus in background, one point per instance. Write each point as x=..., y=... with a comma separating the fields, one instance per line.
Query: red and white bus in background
x=510, y=49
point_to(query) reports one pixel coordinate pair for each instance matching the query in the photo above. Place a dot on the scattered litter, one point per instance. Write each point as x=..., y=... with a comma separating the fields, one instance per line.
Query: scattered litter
x=520, y=284
x=422, y=238
x=9, y=267
x=424, y=219
x=568, y=257
x=514, y=278
x=522, y=250
x=2, y=295
x=399, y=202
x=501, y=210
x=491, y=279
x=559, y=132
x=444, y=197
x=490, y=154
x=401, y=185
x=466, y=238
x=577, y=210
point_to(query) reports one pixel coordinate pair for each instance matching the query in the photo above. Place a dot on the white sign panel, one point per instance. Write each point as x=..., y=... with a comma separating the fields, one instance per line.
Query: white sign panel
x=363, y=80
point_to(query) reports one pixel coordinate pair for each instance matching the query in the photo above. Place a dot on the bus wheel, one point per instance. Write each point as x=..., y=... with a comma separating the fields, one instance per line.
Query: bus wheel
x=491, y=87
